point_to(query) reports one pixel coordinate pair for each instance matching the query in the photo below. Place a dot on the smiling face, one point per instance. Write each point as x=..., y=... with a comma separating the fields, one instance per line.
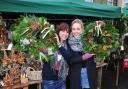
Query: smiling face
x=63, y=31
x=76, y=29
x=63, y=35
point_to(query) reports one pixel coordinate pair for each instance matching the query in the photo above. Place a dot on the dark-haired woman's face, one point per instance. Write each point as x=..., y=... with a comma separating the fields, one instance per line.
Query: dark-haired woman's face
x=63, y=35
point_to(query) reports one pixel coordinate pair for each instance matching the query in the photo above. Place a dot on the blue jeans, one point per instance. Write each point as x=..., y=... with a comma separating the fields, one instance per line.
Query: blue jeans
x=84, y=78
x=53, y=84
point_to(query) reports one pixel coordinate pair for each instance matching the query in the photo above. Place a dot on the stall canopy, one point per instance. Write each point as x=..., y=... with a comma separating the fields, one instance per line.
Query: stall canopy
x=125, y=11
x=72, y=7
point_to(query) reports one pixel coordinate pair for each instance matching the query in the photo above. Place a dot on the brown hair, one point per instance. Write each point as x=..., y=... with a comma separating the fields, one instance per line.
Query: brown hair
x=78, y=21
x=62, y=26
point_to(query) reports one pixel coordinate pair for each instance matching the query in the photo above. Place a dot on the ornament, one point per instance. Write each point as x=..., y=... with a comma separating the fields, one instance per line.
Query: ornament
x=7, y=80
x=98, y=27
x=21, y=58
x=5, y=59
x=12, y=56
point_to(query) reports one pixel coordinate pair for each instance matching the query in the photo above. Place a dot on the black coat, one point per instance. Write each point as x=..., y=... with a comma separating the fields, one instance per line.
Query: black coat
x=75, y=61
x=48, y=72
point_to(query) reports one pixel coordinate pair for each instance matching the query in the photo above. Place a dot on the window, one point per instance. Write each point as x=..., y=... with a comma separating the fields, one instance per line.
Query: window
x=109, y=2
x=126, y=3
x=88, y=0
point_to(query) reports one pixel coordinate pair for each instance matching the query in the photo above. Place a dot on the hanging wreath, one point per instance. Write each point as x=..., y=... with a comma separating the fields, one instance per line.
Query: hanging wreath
x=31, y=33
x=100, y=38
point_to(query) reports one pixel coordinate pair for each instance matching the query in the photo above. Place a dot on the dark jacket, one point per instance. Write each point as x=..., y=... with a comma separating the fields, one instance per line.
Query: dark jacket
x=75, y=61
x=48, y=73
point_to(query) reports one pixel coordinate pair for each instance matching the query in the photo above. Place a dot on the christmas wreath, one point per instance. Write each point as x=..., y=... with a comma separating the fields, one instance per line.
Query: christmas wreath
x=31, y=33
x=100, y=38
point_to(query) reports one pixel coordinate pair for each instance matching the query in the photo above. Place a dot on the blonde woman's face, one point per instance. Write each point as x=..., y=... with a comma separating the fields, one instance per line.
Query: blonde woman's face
x=77, y=30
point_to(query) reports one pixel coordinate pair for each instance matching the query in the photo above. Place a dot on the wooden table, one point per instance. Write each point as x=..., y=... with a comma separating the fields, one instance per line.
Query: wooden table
x=99, y=69
x=24, y=86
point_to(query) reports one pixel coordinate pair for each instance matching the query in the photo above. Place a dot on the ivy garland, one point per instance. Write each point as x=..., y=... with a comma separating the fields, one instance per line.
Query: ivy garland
x=102, y=40
x=31, y=33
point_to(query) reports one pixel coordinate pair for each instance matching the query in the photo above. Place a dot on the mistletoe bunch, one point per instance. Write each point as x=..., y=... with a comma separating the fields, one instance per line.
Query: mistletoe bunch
x=102, y=40
x=31, y=33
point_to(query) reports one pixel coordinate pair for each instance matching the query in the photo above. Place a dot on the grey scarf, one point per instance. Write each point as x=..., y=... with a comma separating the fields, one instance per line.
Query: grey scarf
x=75, y=43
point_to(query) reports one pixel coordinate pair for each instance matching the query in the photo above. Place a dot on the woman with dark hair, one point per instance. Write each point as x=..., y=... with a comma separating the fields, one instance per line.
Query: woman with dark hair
x=55, y=71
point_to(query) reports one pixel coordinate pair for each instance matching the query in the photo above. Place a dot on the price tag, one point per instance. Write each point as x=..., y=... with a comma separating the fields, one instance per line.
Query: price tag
x=10, y=46
x=50, y=52
x=2, y=83
x=59, y=57
x=122, y=47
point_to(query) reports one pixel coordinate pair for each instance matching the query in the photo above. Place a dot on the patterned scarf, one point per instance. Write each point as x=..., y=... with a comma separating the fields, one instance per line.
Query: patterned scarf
x=61, y=66
x=75, y=43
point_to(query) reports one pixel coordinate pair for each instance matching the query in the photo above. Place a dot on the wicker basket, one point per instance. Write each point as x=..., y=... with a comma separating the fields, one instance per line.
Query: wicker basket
x=33, y=75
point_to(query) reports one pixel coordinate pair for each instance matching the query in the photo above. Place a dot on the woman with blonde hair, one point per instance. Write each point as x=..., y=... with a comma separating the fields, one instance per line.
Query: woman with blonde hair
x=82, y=68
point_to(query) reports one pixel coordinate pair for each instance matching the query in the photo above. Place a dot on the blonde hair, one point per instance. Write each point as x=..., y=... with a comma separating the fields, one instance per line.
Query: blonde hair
x=78, y=21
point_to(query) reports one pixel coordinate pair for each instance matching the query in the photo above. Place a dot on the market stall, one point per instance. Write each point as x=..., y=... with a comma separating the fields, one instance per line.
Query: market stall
x=34, y=32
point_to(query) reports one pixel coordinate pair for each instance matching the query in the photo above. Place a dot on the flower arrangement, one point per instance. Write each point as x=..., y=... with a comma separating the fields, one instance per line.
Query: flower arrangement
x=100, y=38
x=31, y=33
